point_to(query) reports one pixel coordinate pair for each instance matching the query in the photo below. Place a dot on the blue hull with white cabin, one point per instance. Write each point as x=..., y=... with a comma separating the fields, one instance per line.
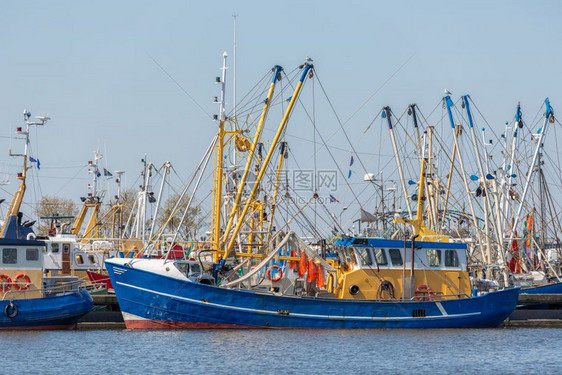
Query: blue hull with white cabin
x=29, y=299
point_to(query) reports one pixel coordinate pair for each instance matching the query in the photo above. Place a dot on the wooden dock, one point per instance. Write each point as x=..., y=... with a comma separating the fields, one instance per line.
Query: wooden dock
x=105, y=315
x=537, y=311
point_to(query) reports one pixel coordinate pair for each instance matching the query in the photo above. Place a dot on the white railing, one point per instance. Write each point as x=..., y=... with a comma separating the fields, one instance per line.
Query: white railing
x=46, y=291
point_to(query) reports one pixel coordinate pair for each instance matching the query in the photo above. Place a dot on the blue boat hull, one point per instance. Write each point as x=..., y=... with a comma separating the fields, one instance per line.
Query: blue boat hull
x=555, y=288
x=150, y=300
x=57, y=312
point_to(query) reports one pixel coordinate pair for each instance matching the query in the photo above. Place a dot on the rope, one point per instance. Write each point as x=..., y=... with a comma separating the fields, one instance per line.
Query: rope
x=180, y=87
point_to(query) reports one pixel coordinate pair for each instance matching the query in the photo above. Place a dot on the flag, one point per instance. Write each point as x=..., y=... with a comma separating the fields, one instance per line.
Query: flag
x=107, y=173
x=349, y=174
x=33, y=160
x=333, y=199
x=98, y=174
x=351, y=161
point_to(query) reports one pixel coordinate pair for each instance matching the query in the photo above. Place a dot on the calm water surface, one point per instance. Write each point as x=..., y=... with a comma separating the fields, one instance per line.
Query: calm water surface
x=475, y=351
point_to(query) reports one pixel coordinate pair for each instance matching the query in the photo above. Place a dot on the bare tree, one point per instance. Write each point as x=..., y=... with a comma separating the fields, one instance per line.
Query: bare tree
x=53, y=206
x=193, y=221
x=118, y=211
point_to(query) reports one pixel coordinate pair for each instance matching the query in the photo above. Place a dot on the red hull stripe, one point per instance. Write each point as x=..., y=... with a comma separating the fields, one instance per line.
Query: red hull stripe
x=162, y=324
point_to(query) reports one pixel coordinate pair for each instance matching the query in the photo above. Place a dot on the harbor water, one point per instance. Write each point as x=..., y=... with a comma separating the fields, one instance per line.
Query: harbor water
x=447, y=351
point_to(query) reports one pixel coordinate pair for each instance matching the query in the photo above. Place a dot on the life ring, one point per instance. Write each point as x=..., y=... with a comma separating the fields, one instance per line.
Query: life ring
x=274, y=279
x=424, y=291
x=11, y=310
x=19, y=286
x=5, y=283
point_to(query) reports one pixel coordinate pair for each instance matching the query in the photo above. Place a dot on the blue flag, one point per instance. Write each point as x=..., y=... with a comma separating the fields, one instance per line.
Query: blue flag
x=107, y=173
x=333, y=199
x=33, y=160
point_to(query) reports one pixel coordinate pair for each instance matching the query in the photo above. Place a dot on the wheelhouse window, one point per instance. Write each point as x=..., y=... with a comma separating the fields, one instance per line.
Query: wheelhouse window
x=79, y=259
x=364, y=255
x=350, y=257
x=32, y=254
x=54, y=248
x=91, y=259
x=380, y=256
x=183, y=268
x=9, y=256
x=361, y=241
x=433, y=257
x=395, y=257
x=195, y=268
x=451, y=258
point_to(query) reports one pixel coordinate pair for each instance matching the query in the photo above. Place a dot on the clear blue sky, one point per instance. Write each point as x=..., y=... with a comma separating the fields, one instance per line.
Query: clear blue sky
x=88, y=65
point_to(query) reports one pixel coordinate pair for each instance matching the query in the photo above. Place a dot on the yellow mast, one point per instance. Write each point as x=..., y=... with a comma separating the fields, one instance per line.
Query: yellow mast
x=92, y=228
x=217, y=185
x=238, y=197
x=92, y=201
x=307, y=66
x=282, y=155
x=420, y=229
x=15, y=205
x=432, y=184
x=449, y=181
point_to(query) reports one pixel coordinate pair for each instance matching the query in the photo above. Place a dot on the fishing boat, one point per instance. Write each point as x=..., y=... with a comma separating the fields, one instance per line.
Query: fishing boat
x=418, y=282
x=31, y=300
x=498, y=198
x=157, y=294
x=78, y=251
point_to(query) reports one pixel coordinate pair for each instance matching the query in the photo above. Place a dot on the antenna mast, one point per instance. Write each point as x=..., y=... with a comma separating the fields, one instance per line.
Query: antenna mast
x=235, y=119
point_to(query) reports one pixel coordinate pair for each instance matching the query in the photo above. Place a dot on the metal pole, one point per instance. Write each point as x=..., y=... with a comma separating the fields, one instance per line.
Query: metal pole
x=388, y=113
x=549, y=116
x=280, y=130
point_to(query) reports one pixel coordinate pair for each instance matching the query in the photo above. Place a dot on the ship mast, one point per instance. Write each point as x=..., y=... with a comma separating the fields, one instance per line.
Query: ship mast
x=218, y=180
x=11, y=222
x=484, y=183
x=306, y=69
x=92, y=200
x=236, y=204
x=449, y=104
x=235, y=119
x=388, y=113
x=548, y=117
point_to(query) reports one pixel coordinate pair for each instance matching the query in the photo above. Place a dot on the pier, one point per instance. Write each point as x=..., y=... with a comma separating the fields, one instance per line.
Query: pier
x=105, y=315
x=537, y=311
